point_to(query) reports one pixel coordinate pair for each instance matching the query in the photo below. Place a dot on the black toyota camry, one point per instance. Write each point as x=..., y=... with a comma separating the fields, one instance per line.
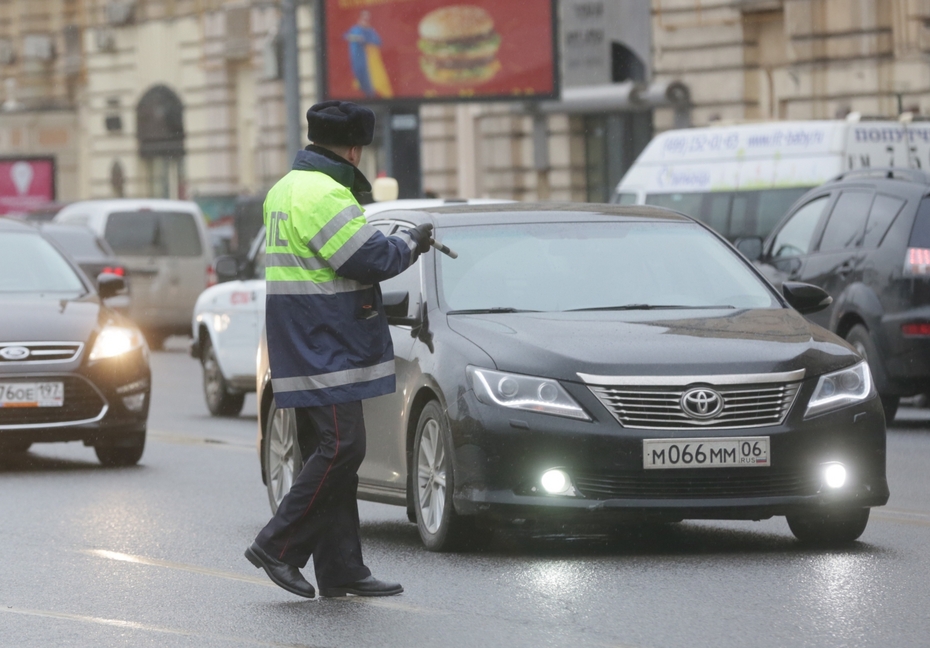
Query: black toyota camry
x=599, y=364
x=71, y=369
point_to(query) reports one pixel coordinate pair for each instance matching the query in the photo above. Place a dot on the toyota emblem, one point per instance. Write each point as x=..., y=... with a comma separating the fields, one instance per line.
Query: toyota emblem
x=701, y=403
x=14, y=353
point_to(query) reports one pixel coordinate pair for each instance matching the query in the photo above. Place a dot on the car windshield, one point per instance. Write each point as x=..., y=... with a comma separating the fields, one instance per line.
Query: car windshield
x=79, y=242
x=594, y=266
x=30, y=264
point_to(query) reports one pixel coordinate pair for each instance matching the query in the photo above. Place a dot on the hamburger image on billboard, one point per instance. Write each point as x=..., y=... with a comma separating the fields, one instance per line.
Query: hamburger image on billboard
x=458, y=45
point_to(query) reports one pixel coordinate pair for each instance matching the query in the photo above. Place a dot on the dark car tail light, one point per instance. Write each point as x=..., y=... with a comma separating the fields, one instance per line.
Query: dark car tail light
x=119, y=271
x=916, y=329
x=211, y=276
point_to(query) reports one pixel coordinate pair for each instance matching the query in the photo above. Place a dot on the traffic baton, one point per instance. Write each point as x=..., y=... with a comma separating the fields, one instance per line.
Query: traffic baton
x=442, y=248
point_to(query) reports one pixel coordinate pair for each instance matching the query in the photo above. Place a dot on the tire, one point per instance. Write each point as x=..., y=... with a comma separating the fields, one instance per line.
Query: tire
x=859, y=337
x=221, y=401
x=832, y=528
x=14, y=448
x=126, y=452
x=440, y=527
x=155, y=339
x=281, y=453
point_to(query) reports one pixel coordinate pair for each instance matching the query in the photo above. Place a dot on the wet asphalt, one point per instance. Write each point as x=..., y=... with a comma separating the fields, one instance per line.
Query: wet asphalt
x=152, y=556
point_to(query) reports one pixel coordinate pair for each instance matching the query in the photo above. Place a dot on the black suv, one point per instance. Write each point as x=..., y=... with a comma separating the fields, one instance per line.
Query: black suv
x=864, y=237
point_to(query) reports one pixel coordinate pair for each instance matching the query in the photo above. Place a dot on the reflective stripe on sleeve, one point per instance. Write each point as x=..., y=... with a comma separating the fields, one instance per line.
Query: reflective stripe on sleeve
x=409, y=240
x=334, y=379
x=351, y=246
x=288, y=260
x=336, y=223
x=304, y=287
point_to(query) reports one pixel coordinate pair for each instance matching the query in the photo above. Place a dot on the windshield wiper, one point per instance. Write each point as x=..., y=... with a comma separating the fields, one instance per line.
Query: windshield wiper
x=482, y=311
x=648, y=307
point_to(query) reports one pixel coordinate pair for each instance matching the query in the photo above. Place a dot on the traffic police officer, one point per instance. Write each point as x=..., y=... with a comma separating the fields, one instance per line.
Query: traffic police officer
x=328, y=346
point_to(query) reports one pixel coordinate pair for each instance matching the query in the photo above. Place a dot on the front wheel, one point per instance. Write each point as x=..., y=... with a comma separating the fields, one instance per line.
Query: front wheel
x=125, y=452
x=859, y=337
x=281, y=452
x=440, y=527
x=829, y=528
x=221, y=401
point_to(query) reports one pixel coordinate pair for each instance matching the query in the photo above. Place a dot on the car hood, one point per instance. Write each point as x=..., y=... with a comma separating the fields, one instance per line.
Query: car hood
x=48, y=318
x=655, y=343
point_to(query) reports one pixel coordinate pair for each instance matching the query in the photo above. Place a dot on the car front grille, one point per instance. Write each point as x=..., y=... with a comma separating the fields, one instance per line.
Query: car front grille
x=660, y=408
x=38, y=352
x=82, y=404
x=677, y=486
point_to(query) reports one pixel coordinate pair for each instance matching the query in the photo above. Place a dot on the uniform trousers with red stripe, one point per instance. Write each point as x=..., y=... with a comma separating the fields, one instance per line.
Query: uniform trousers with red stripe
x=319, y=516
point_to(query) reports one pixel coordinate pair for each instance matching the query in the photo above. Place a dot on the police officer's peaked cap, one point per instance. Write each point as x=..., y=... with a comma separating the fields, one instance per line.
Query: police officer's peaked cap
x=340, y=123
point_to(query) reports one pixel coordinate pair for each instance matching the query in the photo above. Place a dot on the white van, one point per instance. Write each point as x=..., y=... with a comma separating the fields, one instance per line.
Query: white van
x=742, y=179
x=164, y=247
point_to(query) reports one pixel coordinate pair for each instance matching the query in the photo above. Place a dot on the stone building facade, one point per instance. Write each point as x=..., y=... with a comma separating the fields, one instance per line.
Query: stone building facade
x=204, y=76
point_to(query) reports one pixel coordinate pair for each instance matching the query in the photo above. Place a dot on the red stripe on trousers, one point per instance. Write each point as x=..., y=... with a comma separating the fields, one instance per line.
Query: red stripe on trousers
x=320, y=485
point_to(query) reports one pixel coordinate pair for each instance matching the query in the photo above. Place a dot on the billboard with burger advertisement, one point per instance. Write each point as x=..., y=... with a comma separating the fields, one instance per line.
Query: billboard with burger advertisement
x=423, y=50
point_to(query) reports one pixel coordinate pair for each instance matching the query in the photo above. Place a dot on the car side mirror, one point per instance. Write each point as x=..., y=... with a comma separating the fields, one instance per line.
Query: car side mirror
x=227, y=268
x=750, y=246
x=396, y=305
x=109, y=285
x=806, y=298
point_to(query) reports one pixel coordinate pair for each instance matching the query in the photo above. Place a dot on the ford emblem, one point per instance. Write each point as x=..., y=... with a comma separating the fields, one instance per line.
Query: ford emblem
x=14, y=353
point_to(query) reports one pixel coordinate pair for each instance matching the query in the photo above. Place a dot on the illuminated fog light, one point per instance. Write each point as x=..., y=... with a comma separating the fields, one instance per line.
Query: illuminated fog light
x=556, y=482
x=834, y=475
x=134, y=403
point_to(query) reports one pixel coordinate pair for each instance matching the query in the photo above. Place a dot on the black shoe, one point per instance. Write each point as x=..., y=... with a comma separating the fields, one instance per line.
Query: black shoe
x=369, y=586
x=280, y=573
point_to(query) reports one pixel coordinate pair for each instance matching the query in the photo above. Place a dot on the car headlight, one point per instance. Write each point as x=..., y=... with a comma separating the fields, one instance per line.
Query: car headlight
x=840, y=388
x=114, y=341
x=524, y=393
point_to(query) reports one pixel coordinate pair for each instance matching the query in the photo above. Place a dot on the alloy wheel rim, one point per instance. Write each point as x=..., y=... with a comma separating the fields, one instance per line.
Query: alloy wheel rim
x=211, y=371
x=282, y=454
x=431, y=476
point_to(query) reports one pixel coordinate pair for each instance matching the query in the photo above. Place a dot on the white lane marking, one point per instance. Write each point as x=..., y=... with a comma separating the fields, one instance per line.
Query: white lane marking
x=180, y=439
x=194, y=569
x=132, y=625
x=217, y=573
x=902, y=516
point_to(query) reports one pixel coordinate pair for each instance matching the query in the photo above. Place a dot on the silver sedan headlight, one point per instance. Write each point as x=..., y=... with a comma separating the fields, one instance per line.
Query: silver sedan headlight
x=520, y=392
x=840, y=389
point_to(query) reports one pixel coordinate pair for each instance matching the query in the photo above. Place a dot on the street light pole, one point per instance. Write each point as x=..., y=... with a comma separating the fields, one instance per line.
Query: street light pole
x=291, y=76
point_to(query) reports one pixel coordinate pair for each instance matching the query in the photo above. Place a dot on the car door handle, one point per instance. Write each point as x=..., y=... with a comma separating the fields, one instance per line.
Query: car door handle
x=845, y=269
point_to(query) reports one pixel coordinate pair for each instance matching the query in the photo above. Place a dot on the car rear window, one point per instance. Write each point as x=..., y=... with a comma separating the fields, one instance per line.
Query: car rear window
x=153, y=233
x=30, y=264
x=920, y=234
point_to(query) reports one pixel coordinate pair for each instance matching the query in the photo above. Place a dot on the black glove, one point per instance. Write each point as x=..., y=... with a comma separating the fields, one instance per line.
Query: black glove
x=422, y=234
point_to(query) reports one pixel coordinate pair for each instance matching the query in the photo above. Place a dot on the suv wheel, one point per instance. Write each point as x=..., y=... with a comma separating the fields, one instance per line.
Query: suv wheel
x=859, y=337
x=221, y=401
